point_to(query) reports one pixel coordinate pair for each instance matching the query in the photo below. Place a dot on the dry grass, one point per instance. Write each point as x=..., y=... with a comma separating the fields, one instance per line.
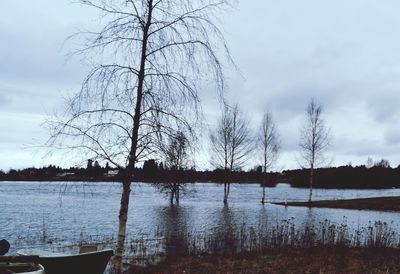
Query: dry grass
x=287, y=260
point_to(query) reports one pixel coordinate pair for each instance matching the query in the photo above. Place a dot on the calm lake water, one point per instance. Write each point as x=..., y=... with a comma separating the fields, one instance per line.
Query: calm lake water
x=34, y=214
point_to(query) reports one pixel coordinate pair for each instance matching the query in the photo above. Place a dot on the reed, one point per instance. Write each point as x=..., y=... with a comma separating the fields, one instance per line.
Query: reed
x=234, y=239
x=285, y=234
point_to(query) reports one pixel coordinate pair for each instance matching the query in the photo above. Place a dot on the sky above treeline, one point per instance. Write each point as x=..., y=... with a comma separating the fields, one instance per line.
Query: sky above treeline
x=344, y=54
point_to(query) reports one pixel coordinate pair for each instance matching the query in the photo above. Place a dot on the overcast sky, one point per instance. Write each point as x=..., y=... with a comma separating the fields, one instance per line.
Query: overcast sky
x=345, y=54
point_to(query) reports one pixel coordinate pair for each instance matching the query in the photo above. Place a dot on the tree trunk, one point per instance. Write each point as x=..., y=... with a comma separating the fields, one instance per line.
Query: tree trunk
x=227, y=186
x=225, y=193
x=264, y=184
x=129, y=172
x=263, y=196
x=177, y=194
x=171, y=198
x=123, y=217
x=311, y=184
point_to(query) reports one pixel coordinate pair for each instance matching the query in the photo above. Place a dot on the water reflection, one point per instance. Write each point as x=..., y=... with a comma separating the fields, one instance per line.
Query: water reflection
x=173, y=225
x=263, y=216
x=224, y=238
x=226, y=219
x=309, y=218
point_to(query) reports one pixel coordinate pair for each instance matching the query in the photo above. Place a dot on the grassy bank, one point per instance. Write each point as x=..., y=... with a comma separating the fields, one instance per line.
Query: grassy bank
x=288, y=260
x=381, y=203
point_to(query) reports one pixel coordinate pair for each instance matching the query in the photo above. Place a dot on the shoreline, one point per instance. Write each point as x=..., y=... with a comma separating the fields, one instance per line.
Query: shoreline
x=376, y=203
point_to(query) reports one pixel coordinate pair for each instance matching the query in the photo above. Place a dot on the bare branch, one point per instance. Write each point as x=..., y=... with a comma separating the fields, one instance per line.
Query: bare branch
x=148, y=58
x=314, y=139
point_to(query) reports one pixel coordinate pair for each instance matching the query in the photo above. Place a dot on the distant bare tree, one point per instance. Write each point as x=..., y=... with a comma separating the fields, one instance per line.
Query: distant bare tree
x=148, y=57
x=231, y=144
x=370, y=163
x=269, y=141
x=382, y=163
x=314, y=141
x=176, y=159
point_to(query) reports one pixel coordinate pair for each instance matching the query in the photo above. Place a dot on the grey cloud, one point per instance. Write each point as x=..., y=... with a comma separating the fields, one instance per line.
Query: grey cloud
x=344, y=56
x=29, y=58
x=365, y=148
x=30, y=99
x=384, y=105
x=392, y=136
x=337, y=61
x=4, y=100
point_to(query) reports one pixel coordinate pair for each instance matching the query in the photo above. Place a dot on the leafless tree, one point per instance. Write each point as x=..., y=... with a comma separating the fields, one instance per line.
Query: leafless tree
x=148, y=58
x=314, y=141
x=231, y=144
x=176, y=159
x=382, y=163
x=370, y=163
x=269, y=141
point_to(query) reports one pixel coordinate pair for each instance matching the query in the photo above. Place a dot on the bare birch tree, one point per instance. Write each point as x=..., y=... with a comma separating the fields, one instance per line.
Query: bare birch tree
x=269, y=141
x=148, y=58
x=314, y=141
x=176, y=158
x=231, y=144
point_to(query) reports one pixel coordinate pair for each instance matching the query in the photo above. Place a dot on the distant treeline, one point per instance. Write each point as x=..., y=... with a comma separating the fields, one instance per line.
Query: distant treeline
x=347, y=177
x=333, y=177
x=150, y=172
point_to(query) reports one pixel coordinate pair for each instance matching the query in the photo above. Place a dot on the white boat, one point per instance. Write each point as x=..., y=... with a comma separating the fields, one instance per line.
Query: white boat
x=22, y=265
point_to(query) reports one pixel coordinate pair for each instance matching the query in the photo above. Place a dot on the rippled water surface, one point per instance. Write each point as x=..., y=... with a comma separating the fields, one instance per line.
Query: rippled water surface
x=70, y=212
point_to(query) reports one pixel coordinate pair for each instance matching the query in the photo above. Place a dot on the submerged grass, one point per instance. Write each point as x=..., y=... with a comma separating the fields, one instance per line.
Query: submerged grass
x=194, y=252
x=285, y=234
x=283, y=248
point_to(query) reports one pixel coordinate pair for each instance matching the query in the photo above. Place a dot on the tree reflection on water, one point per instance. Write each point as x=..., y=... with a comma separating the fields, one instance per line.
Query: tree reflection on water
x=173, y=225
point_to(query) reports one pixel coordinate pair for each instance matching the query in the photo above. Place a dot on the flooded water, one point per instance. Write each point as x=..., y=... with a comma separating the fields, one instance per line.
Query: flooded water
x=34, y=214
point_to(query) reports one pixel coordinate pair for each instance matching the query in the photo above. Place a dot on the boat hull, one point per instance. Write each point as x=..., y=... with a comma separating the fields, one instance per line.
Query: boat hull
x=85, y=263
